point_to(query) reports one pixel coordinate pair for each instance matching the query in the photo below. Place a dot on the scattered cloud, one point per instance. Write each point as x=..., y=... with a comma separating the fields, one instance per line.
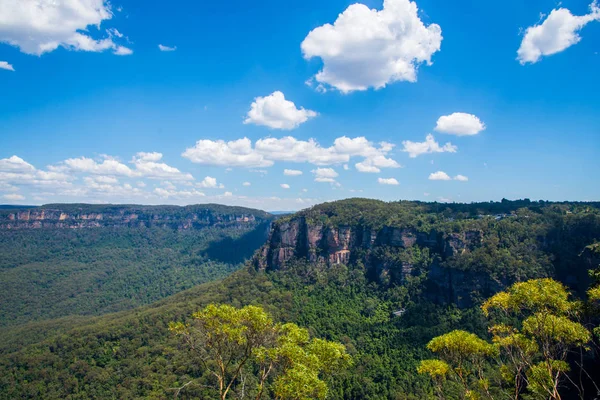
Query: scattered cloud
x=285, y=186
x=460, y=124
x=371, y=48
x=38, y=27
x=13, y=197
x=388, y=181
x=210, y=183
x=235, y=153
x=439, y=176
x=123, y=51
x=415, y=149
x=166, y=48
x=16, y=171
x=5, y=65
x=276, y=112
x=461, y=178
x=148, y=165
x=559, y=31
x=241, y=152
x=292, y=172
x=177, y=194
x=246, y=184
x=325, y=175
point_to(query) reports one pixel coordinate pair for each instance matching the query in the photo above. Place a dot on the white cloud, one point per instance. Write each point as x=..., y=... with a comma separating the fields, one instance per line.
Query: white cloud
x=460, y=124
x=88, y=165
x=346, y=167
x=123, y=51
x=5, y=65
x=370, y=48
x=325, y=175
x=13, y=197
x=235, y=153
x=365, y=167
x=461, y=178
x=210, y=183
x=15, y=164
x=291, y=149
x=292, y=172
x=388, y=181
x=415, y=149
x=276, y=112
x=558, y=32
x=268, y=150
x=227, y=194
x=439, y=176
x=38, y=27
x=181, y=194
x=285, y=186
x=106, y=179
x=246, y=184
x=147, y=165
x=166, y=48
x=14, y=170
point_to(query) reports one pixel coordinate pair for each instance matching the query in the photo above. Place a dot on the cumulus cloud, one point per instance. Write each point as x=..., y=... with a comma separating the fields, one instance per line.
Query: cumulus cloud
x=325, y=175
x=235, y=153
x=439, y=176
x=388, y=181
x=38, y=27
x=210, y=183
x=415, y=149
x=177, y=194
x=276, y=112
x=371, y=48
x=16, y=171
x=285, y=186
x=268, y=150
x=460, y=124
x=13, y=197
x=146, y=165
x=5, y=65
x=559, y=31
x=166, y=48
x=461, y=178
x=246, y=184
x=292, y=172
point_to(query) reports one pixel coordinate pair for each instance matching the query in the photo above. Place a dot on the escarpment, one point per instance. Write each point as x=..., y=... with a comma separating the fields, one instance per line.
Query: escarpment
x=92, y=216
x=461, y=255
x=376, y=249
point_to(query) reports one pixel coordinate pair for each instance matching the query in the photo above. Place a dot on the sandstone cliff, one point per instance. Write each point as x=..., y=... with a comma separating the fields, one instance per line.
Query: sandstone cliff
x=91, y=216
x=381, y=252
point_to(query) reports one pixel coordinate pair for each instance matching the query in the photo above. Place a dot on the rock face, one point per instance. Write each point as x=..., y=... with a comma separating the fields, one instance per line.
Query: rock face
x=298, y=239
x=88, y=216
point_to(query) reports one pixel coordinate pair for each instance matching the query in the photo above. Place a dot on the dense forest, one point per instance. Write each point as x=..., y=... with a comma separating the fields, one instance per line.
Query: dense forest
x=53, y=270
x=383, y=279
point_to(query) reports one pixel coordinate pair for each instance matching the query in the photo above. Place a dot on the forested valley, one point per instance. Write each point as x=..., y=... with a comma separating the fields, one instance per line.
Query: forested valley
x=421, y=297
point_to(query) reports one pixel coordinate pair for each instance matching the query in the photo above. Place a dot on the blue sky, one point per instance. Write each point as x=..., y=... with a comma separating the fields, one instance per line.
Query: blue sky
x=103, y=115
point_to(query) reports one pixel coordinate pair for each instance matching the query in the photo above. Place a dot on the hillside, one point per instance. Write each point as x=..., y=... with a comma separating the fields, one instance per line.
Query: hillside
x=382, y=278
x=75, y=259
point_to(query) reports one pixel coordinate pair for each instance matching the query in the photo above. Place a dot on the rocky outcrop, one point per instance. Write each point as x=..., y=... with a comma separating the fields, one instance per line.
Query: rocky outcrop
x=70, y=217
x=298, y=239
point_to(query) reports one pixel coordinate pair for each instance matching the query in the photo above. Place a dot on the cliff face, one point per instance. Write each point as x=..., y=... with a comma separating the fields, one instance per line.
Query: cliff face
x=329, y=245
x=73, y=217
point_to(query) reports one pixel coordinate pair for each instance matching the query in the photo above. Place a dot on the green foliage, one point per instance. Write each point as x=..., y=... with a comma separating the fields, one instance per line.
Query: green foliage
x=228, y=340
x=56, y=272
x=132, y=354
x=434, y=368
